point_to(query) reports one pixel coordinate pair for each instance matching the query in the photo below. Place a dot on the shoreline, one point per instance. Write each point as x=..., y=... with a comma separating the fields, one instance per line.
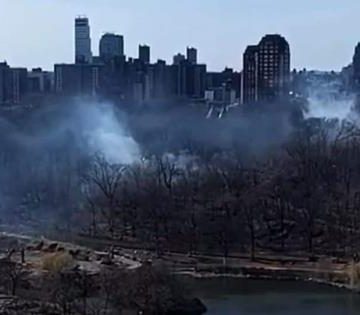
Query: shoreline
x=210, y=267
x=272, y=277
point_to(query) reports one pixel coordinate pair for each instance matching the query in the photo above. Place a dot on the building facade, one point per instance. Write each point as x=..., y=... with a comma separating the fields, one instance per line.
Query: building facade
x=250, y=88
x=178, y=58
x=144, y=54
x=40, y=81
x=18, y=85
x=13, y=84
x=78, y=79
x=230, y=77
x=4, y=82
x=356, y=67
x=82, y=41
x=111, y=46
x=191, y=55
x=266, y=74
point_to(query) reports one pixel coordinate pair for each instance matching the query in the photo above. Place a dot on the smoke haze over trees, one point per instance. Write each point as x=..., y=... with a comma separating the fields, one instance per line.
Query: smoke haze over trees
x=260, y=178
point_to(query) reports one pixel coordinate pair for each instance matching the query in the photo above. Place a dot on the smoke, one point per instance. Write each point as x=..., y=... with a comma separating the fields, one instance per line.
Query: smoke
x=184, y=130
x=106, y=133
x=330, y=108
x=97, y=128
x=183, y=160
x=45, y=151
x=327, y=98
x=89, y=127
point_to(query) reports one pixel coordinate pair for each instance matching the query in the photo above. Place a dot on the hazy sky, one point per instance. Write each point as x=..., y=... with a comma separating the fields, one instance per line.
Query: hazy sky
x=322, y=33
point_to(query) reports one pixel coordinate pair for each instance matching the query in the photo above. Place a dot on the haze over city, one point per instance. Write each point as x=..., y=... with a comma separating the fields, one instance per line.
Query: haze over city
x=184, y=157
x=39, y=33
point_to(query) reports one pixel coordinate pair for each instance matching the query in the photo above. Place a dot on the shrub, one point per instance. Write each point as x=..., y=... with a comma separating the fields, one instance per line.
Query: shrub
x=58, y=262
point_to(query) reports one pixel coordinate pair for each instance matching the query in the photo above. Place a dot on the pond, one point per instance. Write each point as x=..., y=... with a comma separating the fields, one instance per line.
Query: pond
x=227, y=296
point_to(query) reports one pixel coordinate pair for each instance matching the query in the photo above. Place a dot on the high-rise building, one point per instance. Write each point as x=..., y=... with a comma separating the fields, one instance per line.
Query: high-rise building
x=13, y=84
x=228, y=77
x=181, y=78
x=144, y=53
x=189, y=79
x=18, y=84
x=111, y=45
x=274, y=67
x=266, y=72
x=178, y=59
x=191, y=55
x=114, y=77
x=158, y=80
x=4, y=79
x=82, y=40
x=40, y=81
x=77, y=79
x=163, y=79
x=136, y=80
x=356, y=67
x=199, y=77
x=250, y=75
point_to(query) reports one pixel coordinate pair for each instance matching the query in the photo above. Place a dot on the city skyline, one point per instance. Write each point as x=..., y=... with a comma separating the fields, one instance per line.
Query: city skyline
x=219, y=34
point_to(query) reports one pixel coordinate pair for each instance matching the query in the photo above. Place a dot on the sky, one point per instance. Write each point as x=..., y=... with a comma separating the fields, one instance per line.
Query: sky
x=322, y=33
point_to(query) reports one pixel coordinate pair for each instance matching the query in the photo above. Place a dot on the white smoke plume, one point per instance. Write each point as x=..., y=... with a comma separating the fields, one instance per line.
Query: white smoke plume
x=96, y=128
x=106, y=133
x=321, y=107
x=327, y=99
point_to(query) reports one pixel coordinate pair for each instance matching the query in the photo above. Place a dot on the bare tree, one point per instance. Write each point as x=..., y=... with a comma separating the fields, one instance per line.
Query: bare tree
x=12, y=275
x=101, y=186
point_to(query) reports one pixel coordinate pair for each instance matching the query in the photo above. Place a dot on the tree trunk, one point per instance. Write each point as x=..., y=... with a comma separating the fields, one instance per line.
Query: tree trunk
x=253, y=243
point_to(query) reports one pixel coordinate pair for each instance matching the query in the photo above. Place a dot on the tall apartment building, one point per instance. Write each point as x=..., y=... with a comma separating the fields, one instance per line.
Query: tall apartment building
x=144, y=54
x=111, y=46
x=266, y=73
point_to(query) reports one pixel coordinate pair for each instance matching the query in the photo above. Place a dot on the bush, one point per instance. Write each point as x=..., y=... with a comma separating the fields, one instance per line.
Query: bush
x=58, y=262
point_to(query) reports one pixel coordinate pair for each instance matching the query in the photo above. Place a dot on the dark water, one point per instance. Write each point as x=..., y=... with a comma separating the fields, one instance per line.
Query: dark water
x=258, y=297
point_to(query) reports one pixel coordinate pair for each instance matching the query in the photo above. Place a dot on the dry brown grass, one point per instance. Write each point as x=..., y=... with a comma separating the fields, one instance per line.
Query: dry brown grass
x=353, y=271
x=57, y=262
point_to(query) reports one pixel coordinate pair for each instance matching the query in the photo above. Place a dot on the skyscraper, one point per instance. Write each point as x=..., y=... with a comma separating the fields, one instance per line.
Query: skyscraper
x=111, y=45
x=39, y=81
x=191, y=55
x=18, y=84
x=199, y=73
x=356, y=67
x=144, y=53
x=77, y=79
x=355, y=80
x=158, y=80
x=266, y=70
x=274, y=67
x=13, y=84
x=4, y=82
x=177, y=59
x=82, y=40
x=250, y=74
x=189, y=80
